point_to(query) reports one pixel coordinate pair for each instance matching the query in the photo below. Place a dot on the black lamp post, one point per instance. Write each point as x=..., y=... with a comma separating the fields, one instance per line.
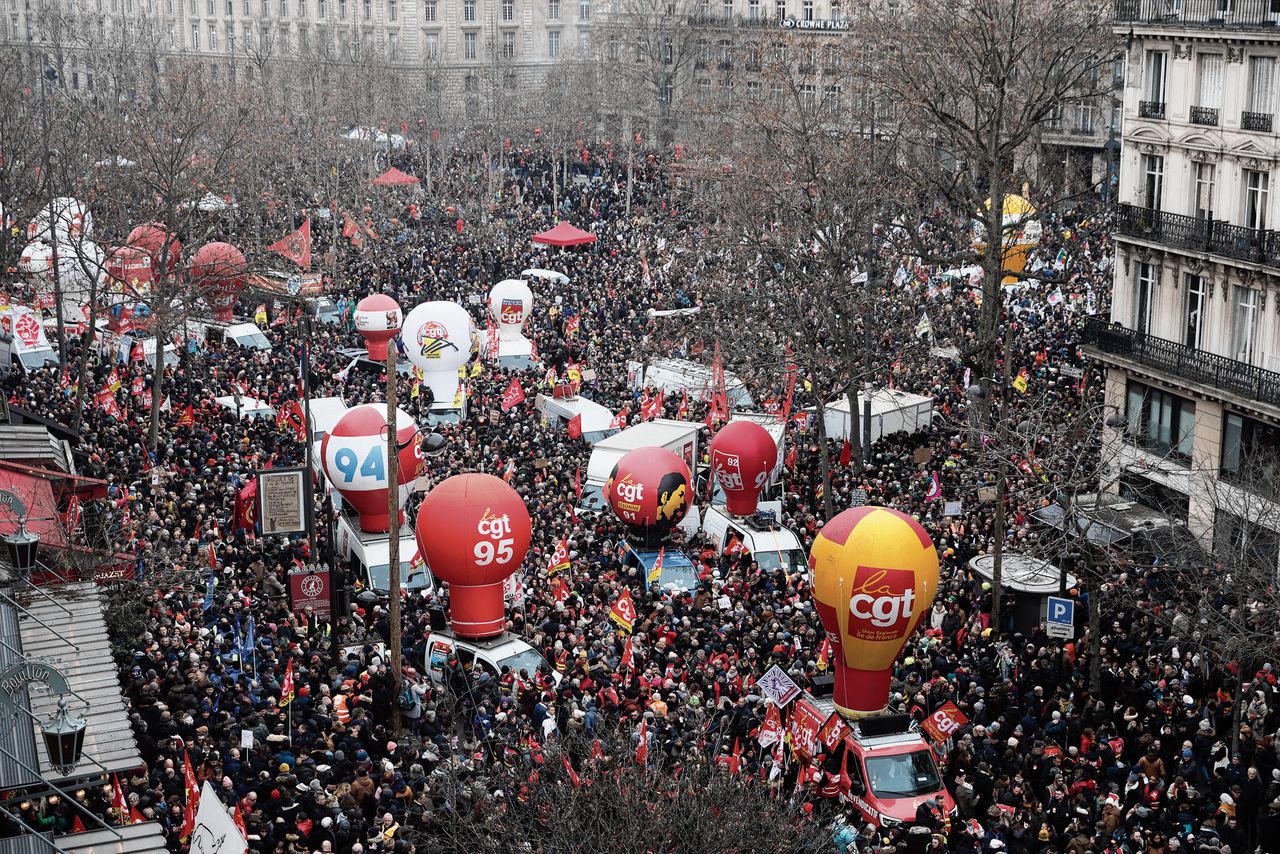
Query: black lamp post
x=22, y=545
x=64, y=738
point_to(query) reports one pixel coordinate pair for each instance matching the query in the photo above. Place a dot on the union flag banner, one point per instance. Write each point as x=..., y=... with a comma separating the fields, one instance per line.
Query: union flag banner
x=513, y=396
x=624, y=611
x=296, y=246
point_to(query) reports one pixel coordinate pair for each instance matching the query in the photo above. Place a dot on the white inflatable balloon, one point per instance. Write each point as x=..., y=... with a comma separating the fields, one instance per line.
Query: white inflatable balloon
x=36, y=260
x=439, y=338
x=510, y=303
x=70, y=218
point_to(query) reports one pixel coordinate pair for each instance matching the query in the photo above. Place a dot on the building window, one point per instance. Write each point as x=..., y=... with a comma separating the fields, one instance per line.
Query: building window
x=584, y=10
x=1160, y=421
x=367, y=9
x=322, y=10
x=1157, y=74
x=753, y=91
x=1248, y=447
x=807, y=10
x=342, y=10
x=1262, y=77
x=508, y=10
x=667, y=92
x=302, y=9
x=668, y=51
x=1257, y=188
x=391, y=10
x=1244, y=543
x=1197, y=300
x=195, y=36
x=213, y=37
x=808, y=97
x=469, y=11
x=831, y=57
x=553, y=10
x=468, y=45
x=613, y=49
x=1144, y=297
x=393, y=46
x=753, y=10
x=1209, y=71
x=431, y=45
x=429, y=11
x=1084, y=117
x=1202, y=204
x=1244, y=323
x=834, y=98
x=509, y=81
x=553, y=43
x=727, y=8
x=509, y=44
x=1153, y=180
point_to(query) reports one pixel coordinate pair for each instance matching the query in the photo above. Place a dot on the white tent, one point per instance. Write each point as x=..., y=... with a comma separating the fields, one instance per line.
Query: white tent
x=375, y=137
x=891, y=411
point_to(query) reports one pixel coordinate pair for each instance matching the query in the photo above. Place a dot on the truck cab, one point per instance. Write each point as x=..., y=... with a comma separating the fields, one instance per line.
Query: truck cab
x=489, y=654
x=370, y=557
x=238, y=333
x=770, y=545
x=889, y=765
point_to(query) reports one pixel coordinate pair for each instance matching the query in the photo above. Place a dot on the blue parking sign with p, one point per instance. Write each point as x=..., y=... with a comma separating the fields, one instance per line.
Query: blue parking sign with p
x=1060, y=611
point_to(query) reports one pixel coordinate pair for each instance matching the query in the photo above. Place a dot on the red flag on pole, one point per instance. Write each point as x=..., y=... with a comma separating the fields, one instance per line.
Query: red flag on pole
x=188, y=417
x=575, y=426
x=192, y=787
x=573, y=775
x=559, y=557
x=286, y=687
x=513, y=396
x=683, y=413
x=628, y=659
x=296, y=246
x=846, y=453
x=624, y=611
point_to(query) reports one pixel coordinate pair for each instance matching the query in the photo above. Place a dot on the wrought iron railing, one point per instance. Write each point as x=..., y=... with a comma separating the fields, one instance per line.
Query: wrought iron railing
x=1151, y=109
x=1260, y=122
x=1179, y=360
x=1203, y=235
x=1204, y=116
x=1242, y=14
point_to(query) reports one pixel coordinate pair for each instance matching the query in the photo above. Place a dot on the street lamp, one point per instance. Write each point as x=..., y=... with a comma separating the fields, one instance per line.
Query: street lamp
x=64, y=738
x=22, y=545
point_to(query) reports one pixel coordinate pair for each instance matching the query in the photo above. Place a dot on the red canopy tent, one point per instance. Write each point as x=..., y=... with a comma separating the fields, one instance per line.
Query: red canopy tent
x=564, y=234
x=393, y=177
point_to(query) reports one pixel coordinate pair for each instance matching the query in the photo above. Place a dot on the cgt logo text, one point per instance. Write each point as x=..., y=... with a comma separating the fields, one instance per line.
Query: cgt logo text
x=882, y=602
x=628, y=490
x=728, y=470
x=494, y=527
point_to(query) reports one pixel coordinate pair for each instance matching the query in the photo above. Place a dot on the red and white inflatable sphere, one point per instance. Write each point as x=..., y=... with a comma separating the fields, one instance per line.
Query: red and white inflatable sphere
x=742, y=456
x=218, y=271
x=473, y=531
x=354, y=456
x=150, y=238
x=650, y=489
x=132, y=268
x=377, y=318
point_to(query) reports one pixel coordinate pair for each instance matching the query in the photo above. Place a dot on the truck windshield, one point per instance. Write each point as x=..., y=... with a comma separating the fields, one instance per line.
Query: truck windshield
x=380, y=576
x=679, y=577
x=527, y=660
x=36, y=359
x=253, y=341
x=903, y=775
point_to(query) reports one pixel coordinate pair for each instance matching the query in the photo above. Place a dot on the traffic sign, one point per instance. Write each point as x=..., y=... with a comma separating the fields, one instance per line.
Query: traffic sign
x=1060, y=617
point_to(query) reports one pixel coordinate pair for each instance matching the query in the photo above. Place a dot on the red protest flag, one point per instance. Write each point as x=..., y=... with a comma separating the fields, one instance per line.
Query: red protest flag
x=771, y=730
x=286, y=687
x=573, y=775
x=192, y=799
x=619, y=421
x=119, y=805
x=624, y=611
x=846, y=453
x=559, y=557
x=628, y=659
x=246, y=506
x=575, y=426
x=188, y=417
x=790, y=461
x=77, y=826
x=683, y=413
x=513, y=396
x=238, y=818
x=651, y=407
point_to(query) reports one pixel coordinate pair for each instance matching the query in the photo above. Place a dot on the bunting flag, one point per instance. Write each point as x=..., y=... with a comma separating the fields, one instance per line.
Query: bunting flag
x=287, y=692
x=624, y=611
x=297, y=246
x=513, y=396
x=1022, y=381
x=935, y=488
x=655, y=574
x=559, y=558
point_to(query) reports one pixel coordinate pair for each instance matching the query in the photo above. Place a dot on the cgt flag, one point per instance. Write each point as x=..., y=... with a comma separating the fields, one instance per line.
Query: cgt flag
x=574, y=427
x=655, y=574
x=624, y=611
x=513, y=396
x=559, y=558
x=297, y=246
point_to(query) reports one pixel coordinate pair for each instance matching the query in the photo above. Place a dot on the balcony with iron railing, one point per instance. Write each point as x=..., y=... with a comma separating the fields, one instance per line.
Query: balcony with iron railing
x=1259, y=122
x=1179, y=360
x=1215, y=236
x=1216, y=14
x=1151, y=109
x=1204, y=116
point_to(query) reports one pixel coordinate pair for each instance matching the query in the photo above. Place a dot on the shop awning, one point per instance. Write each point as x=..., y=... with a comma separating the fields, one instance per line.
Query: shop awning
x=564, y=234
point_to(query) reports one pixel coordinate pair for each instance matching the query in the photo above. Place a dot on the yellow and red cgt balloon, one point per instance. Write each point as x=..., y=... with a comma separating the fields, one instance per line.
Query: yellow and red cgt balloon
x=875, y=573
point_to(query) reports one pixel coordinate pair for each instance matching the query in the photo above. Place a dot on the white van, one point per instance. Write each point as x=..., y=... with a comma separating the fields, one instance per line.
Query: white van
x=771, y=545
x=23, y=344
x=773, y=487
x=493, y=655
x=680, y=375
x=246, y=407
x=240, y=333
x=370, y=557
x=559, y=411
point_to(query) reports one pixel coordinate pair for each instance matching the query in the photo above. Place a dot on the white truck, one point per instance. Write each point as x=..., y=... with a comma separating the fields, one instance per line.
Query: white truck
x=892, y=411
x=596, y=420
x=770, y=545
x=680, y=437
x=370, y=557
x=119, y=345
x=491, y=655
x=241, y=333
x=678, y=376
x=23, y=344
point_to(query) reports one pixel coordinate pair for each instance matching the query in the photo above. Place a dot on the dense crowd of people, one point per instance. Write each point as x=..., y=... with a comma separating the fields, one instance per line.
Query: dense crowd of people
x=1150, y=762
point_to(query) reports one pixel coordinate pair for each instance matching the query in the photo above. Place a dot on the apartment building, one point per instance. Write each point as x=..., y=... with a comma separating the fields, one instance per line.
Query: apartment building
x=1192, y=346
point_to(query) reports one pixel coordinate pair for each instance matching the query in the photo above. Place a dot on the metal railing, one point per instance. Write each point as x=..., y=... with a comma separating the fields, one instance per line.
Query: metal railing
x=1260, y=122
x=1243, y=14
x=1151, y=109
x=1186, y=362
x=1204, y=116
x=1217, y=236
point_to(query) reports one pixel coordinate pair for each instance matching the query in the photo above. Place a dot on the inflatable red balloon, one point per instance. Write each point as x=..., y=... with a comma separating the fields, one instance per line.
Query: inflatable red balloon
x=473, y=531
x=378, y=319
x=218, y=271
x=150, y=238
x=742, y=456
x=650, y=489
x=354, y=457
x=132, y=268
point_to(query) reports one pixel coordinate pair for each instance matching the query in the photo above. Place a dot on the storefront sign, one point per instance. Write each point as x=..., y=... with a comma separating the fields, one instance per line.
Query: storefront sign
x=310, y=589
x=823, y=25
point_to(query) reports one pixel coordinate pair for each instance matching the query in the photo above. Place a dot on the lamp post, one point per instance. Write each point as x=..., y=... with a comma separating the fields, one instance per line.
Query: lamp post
x=64, y=738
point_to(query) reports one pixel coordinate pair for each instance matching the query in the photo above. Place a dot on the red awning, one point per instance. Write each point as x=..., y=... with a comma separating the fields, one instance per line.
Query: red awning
x=393, y=177
x=28, y=498
x=564, y=234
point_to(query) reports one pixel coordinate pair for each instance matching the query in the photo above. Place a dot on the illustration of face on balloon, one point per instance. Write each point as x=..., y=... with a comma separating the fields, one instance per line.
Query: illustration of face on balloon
x=650, y=491
x=377, y=318
x=875, y=574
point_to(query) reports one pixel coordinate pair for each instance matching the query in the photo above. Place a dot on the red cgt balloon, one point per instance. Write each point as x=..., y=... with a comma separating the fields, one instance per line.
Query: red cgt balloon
x=474, y=530
x=650, y=490
x=219, y=271
x=150, y=238
x=742, y=456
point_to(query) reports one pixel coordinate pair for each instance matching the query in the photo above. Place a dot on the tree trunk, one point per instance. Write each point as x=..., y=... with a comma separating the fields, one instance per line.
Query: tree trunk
x=1095, y=628
x=824, y=457
x=1237, y=706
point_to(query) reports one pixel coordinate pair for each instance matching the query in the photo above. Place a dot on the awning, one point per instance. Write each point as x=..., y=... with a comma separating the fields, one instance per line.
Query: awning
x=564, y=234
x=393, y=177
x=145, y=838
x=81, y=650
